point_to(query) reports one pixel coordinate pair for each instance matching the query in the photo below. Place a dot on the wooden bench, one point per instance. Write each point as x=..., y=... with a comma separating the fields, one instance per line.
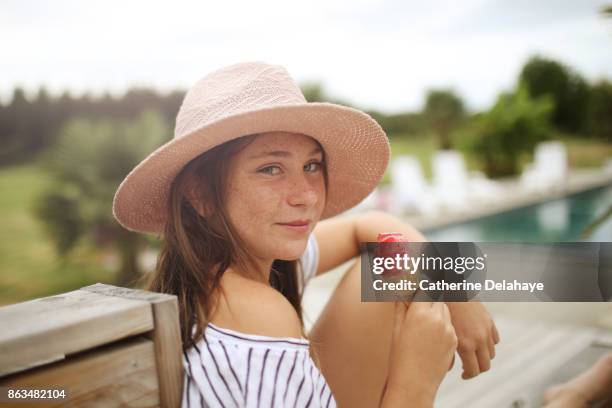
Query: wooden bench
x=105, y=345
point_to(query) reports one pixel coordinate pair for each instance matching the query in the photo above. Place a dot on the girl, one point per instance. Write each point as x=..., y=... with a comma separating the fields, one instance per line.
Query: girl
x=244, y=196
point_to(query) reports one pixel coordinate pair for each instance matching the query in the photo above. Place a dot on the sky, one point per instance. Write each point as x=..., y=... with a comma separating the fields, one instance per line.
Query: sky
x=381, y=55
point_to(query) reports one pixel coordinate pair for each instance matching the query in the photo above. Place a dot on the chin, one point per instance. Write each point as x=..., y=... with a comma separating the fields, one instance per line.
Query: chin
x=292, y=252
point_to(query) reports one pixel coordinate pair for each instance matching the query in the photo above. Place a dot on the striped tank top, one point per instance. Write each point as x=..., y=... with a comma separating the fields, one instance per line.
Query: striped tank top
x=235, y=369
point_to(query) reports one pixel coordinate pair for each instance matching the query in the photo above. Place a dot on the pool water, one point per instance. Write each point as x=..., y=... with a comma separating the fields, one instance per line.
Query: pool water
x=563, y=219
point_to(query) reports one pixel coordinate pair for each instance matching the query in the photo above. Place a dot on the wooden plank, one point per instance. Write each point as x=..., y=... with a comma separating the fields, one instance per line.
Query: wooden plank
x=119, y=374
x=168, y=350
x=534, y=368
x=514, y=337
x=166, y=336
x=523, y=360
x=45, y=330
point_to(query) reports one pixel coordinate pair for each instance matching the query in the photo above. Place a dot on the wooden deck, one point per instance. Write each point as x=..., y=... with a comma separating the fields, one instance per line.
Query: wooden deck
x=530, y=357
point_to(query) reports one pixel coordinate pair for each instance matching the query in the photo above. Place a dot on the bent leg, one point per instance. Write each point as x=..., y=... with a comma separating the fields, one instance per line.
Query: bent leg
x=352, y=341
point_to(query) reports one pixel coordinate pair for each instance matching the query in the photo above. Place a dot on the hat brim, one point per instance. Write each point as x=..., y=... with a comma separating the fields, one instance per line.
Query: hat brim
x=356, y=148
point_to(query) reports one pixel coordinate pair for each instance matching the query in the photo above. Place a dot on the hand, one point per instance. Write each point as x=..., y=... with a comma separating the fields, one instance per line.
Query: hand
x=477, y=336
x=422, y=349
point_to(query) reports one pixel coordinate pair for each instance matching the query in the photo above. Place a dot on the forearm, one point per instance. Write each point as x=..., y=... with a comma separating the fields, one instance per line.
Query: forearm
x=369, y=225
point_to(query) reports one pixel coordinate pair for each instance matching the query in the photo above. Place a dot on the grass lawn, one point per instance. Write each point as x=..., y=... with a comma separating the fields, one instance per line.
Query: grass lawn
x=587, y=152
x=29, y=267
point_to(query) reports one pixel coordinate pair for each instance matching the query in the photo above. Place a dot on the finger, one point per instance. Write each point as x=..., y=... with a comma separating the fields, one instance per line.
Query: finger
x=452, y=363
x=445, y=315
x=398, y=318
x=470, y=365
x=427, y=307
x=419, y=304
x=484, y=361
x=491, y=348
x=496, y=338
x=446, y=312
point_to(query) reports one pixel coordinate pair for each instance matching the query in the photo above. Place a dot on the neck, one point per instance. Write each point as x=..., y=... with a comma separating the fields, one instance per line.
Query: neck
x=258, y=270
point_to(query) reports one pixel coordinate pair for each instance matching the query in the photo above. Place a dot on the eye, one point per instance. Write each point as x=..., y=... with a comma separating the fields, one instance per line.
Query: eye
x=270, y=170
x=313, y=166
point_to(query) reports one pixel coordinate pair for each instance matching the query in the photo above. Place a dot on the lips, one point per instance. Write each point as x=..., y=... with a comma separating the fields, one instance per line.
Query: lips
x=296, y=223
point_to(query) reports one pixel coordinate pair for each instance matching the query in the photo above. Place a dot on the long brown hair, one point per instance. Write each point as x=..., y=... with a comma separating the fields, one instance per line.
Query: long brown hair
x=197, y=250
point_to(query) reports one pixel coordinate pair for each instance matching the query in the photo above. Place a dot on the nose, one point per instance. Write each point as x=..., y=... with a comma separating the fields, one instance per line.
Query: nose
x=302, y=192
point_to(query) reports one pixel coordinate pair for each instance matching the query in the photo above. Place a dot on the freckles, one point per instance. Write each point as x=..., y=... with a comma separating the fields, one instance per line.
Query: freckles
x=242, y=192
x=256, y=202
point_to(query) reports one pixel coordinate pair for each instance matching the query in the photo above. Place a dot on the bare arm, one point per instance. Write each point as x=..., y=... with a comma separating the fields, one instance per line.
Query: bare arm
x=339, y=238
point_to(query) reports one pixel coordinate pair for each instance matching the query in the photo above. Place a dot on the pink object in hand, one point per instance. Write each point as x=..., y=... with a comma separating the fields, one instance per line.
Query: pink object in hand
x=391, y=237
x=390, y=250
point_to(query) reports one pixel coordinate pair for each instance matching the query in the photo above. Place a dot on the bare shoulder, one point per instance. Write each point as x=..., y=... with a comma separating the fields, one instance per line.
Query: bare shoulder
x=256, y=308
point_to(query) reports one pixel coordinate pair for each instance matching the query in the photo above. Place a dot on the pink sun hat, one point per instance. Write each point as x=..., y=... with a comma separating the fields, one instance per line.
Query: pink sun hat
x=244, y=99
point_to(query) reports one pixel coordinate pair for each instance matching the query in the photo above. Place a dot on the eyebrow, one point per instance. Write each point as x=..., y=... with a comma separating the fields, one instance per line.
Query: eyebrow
x=282, y=153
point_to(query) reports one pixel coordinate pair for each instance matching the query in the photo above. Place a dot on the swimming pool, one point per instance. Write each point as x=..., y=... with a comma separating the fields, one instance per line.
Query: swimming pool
x=558, y=220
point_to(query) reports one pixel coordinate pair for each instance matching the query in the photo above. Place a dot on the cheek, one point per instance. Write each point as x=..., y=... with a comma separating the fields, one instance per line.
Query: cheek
x=249, y=204
x=321, y=194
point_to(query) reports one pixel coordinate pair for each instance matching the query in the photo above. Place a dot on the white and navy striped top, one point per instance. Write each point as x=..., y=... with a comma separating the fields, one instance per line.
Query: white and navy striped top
x=235, y=369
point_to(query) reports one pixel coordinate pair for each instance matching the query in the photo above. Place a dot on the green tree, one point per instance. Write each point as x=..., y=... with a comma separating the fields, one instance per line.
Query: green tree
x=568, y=89
x=42, y=125
x=16, y=128
x=600, y=111
x=404, y=123
x=313, y=92
x=443, y=111
x=88, y=163
x=515, y=124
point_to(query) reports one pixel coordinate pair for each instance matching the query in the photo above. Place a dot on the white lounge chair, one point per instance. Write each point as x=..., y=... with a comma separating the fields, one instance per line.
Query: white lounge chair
x=410, y=191
x=457, y=188
x=549, y=170
x=483, y=189
x=450, y=179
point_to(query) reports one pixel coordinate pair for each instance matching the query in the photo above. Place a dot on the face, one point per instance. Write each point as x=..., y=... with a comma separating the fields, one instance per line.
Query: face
x=276, y=180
